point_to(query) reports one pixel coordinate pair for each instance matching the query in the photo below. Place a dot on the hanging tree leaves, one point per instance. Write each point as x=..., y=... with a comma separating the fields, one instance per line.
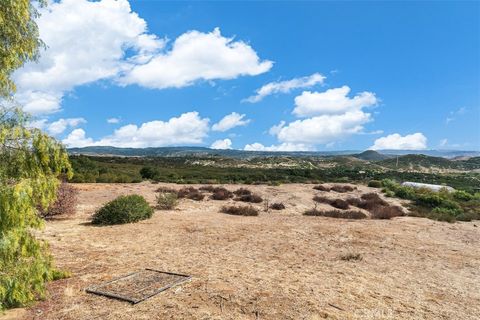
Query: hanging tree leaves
x=30, y=164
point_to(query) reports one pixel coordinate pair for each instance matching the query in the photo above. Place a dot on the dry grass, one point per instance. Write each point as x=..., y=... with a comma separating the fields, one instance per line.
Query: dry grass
x=280, y=265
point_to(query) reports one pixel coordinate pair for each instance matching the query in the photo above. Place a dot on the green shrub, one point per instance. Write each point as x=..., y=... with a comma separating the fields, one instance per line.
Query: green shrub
x=375, y=184
x=405, y=193
x=389, y=193
x=124, y=209
x=166, y=200
x=467, y=216
x=432, y=200
x=444, y=214
x=462, y=195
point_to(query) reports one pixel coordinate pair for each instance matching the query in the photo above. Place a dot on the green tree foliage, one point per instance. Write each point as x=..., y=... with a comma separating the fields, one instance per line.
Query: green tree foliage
x=31, y=163
x=19, y=41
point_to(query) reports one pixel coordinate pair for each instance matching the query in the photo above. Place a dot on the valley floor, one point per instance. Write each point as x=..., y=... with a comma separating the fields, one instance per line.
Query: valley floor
x=279, y=265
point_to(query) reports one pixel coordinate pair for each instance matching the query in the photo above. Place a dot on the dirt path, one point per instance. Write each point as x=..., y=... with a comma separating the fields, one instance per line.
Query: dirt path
x=278, y=265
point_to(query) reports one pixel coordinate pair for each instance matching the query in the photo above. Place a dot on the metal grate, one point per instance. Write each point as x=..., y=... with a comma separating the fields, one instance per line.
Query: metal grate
x=138, y=286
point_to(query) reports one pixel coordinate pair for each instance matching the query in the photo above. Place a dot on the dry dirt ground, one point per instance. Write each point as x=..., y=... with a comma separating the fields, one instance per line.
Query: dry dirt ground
x=279, y=265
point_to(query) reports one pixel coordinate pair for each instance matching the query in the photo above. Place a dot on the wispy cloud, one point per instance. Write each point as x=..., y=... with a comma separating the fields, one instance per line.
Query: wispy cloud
x=285, y=86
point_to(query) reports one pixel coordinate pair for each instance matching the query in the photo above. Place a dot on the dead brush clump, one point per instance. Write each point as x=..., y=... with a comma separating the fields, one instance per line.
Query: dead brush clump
x=207, y=188
x=378, y=208
x=342, y=188
x=166, y=190
x=64, y=205
x=190, y=193
x=322, y=187
x=336, y=203
x=387, y=212
x=242, y=192
x=343, y=214
x=277, y=206
x=220, y=193
x=351, y=257
x=370, y=201
x=240, y=210
x=252, y=198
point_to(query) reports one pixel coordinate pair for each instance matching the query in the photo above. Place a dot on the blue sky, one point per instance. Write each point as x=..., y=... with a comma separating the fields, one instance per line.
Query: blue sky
x=342, y=75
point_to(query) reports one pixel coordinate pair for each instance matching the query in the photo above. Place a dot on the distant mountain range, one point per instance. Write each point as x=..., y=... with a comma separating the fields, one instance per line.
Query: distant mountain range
x=368, y=155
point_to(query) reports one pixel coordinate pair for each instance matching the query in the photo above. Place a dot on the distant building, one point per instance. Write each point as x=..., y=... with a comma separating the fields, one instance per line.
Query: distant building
x=433, y=187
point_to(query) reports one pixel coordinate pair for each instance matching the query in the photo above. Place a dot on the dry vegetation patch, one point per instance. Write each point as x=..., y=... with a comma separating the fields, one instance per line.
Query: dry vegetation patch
x=343, y=214
x=240, y=210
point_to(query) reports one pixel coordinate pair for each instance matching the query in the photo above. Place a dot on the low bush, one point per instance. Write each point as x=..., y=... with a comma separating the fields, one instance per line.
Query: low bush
x=167, y=200
x=321, y=199
x=343, y=214
x=240, y=210
x=386, y=212
x=253, y=198
x=443, y=214
x=221, y=194
x=166, y=189
x=322, y=187
x=351, y=257
x=242, y=192
x=190, y=193
x=208, y=188
x=375, y=184
x=339, y=204
x=370, y=201
x=342, y=188
x=124, y=209
x=354, y=201
x=467, y=216
x=404, y=192
x=432, y=200
x=277, y=206
x=462, y=195
x=65, y=204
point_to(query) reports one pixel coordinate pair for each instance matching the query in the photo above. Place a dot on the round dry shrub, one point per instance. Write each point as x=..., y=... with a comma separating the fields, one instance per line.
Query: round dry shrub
x=339, y=204
x=124, y=209
x=253, y=198
x=375, y=184
x=277, y=206
x=242, y=191
x=221, y=194
x=166, y=200
x=321, y=187
x=65, y=204
x=240, y=210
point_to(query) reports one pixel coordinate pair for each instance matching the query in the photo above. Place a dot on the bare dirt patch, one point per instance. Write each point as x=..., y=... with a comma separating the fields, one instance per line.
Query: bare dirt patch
x=278, y=265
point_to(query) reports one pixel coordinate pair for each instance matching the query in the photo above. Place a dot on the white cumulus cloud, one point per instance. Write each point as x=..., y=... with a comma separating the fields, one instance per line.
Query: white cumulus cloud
x=90, y=41
x=57, y=127
x=197, y=56
x=328, y=117
x=188, y=128
x=113, y=120
x=77, y=139
x=332, y=101
x=230, y=121
x=415, y=141
x=285, y=86
x=222, y=144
